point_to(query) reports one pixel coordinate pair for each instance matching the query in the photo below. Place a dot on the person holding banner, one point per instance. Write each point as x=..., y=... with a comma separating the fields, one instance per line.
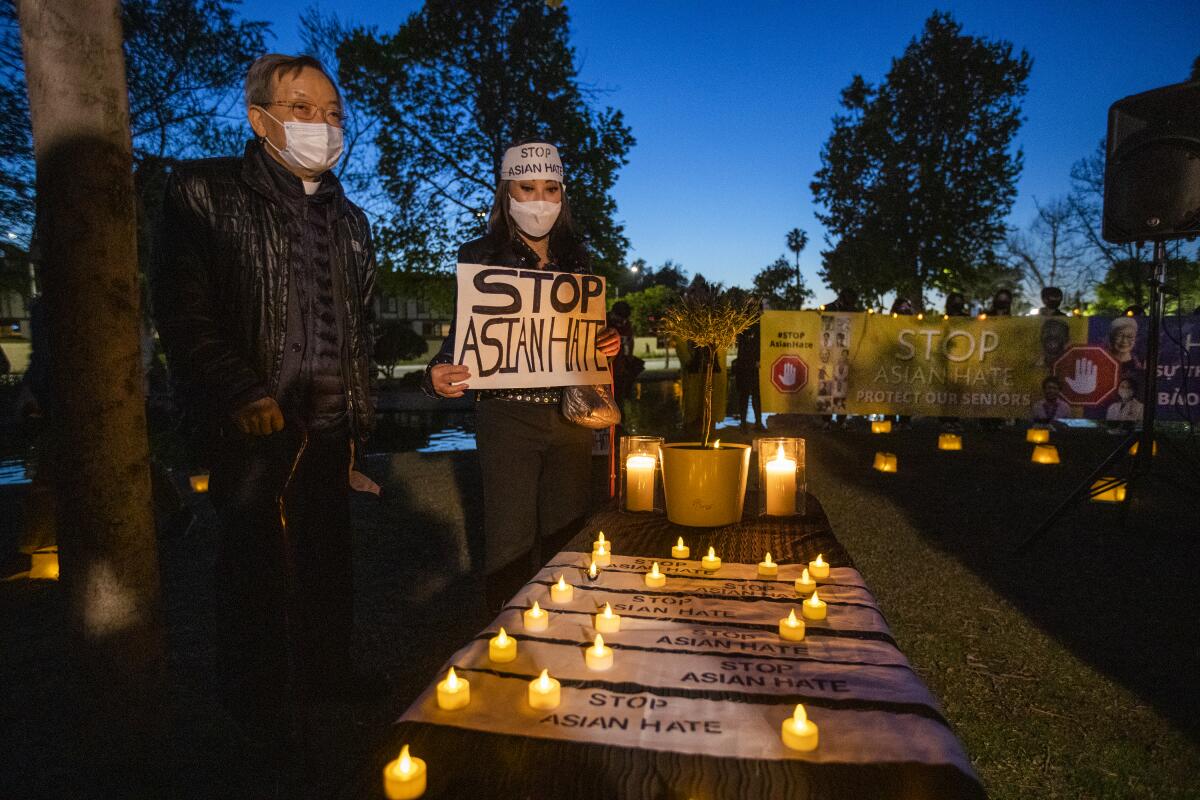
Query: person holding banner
x=536, y=464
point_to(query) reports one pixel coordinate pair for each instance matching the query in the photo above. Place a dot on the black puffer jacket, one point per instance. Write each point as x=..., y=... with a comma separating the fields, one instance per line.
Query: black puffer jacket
x=220, y=277
x=497, y=249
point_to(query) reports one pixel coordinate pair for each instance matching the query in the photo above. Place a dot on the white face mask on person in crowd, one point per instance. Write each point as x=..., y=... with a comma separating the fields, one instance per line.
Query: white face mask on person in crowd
x=535, y=217
x=311, y=146
x=1125, y=394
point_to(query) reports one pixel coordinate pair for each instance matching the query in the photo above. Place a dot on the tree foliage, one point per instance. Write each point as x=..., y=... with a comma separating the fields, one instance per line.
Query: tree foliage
x=398, y=342
x=453, y=86
x=1127, y=283
x=780, y=284
x=918, y=174
x=646, y=308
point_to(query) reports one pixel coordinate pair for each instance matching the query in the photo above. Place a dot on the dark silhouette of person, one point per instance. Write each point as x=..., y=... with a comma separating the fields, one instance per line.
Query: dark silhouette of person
x=1052, y=299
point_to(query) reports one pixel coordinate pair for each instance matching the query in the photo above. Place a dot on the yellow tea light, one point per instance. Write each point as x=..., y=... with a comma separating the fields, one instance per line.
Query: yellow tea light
x=814, y=607
x=885, y=462
x=593, y=572
x=654, y=578
x=562, y=592
x=805, y=584
x=404, y=778
x=1115, y=493
x=602, y=555
x=639, y=482
x=600, y=540
x=536, y=619
x=710, y=562
x=453, y=693
x=1134, y=448
x=502, y=648
x=1037, y=435
x=800, y=732
x=607, y=621
x=545, y=693
x=881, y=426
x=599, y=657
x=44, y=564
x=1045, y=454
x=949, y=441
x=781, y=485
x=818, y=568
x=680, y=550
x=199, y=483
x=768, y=568
x=790, y=628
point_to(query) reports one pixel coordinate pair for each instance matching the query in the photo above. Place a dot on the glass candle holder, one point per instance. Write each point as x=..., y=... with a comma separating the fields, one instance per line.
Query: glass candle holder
x=782, y=480
x=641, y=474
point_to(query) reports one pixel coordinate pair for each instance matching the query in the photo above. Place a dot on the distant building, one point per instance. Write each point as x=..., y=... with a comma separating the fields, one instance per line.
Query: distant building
x=16, y=288
x=424, y=317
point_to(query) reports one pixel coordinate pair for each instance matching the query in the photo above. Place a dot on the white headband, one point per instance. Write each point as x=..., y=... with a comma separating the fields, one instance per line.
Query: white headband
x=536, y=161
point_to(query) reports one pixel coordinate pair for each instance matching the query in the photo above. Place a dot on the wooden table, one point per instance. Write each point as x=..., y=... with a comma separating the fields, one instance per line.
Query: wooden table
x=882, y=733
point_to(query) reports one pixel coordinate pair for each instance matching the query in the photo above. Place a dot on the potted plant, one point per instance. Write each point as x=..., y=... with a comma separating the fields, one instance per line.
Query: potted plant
x=706, y=483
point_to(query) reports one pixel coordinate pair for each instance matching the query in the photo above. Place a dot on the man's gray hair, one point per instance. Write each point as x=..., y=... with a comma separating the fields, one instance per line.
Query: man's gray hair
x=259, y=91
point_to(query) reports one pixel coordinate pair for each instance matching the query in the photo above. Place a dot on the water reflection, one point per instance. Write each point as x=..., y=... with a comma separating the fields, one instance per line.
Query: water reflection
x=12, y=473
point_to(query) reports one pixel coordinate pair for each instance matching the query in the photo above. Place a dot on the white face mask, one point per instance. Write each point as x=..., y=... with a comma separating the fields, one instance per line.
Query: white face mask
x=535, y=217
x=310, y=146
x=1125, y=394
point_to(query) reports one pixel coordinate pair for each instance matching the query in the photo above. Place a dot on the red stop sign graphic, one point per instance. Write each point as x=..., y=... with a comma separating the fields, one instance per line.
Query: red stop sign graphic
x=1087, y=374
x=789, y=373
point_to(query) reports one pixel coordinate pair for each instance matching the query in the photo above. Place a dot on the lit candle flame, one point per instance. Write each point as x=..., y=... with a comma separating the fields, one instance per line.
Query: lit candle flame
x=680, y=542
x=791, y=620
x=717, y=444
x=920, y=316
x=562, y=584
x=502, y=638
x=654, y=573
x=814, y=600
x=404, y=765
x=600, y=549
x=600, y=538
x=712, y=553
x=608, y=610
x=767, y=560
x=536, y=611
x=592, y=569
x=799, y=716
x=804, y=576
x=599, y=643
x=544, y=681
x=779, y=457
x=820, y=562
x=451, y=681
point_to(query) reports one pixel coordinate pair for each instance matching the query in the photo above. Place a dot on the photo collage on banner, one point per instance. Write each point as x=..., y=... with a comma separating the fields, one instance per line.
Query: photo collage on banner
x=833, y=374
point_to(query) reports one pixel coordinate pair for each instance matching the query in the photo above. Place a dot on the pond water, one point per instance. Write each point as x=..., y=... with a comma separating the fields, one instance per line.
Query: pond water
x=12, y=473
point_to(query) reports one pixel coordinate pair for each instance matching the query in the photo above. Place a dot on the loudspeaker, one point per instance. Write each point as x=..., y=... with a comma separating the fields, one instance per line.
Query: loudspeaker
x=1152, y=166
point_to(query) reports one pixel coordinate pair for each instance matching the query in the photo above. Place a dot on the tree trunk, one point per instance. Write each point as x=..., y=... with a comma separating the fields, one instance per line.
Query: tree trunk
x=708, y=395
x=86, y=227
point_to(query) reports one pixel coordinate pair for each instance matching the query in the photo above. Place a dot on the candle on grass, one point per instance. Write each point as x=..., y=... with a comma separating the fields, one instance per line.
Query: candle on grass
x=710, y=562
x=654, y=578
x=781, y=485
x=1037, y=435
x=404, y=778
x=545, y=693
x=535, y=618
x=639, y=482
x=502, y=647
x=949, y=441
x=814, y=607
x=819, y=568
x=598, y=656
x=767, y=568
x=800, y=732
x=680, y=550
x=805, y=584
x=562, y=592
x=607, y=621
x=790, y=628
x=1045, y=454
x=454, y=692
x=881, y=426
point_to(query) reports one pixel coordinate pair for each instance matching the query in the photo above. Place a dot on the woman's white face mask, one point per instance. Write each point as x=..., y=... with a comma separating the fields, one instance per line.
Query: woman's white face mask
x=534, y=217
x=310, y=146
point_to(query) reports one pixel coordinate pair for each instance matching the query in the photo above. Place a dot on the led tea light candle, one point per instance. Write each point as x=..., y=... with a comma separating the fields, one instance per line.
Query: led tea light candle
x=562, y=592
x=881, y=426
x=768, y=568
x=607, y=621
x=502, y=648
x=599, y=657
x=602, y=555
x=404, y=778
x=680, y=550
x=545, y=693
x=1037, y=435
x=710, y=562
x=536, y=619
x=781, y=485
x=600, y=540
x=593, y=572
x=1044, y=454
x=654, y=578
x=814, y=607
x=949, y=441
x=800, y=732
x=805, y=584
x=790, y=628
x=818, y=568
x=885, y=462
x=639, y=482
x=199, y=483
x=453, y=693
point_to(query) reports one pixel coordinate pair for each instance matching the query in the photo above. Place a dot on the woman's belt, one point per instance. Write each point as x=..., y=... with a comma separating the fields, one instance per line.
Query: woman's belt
x=544, y=396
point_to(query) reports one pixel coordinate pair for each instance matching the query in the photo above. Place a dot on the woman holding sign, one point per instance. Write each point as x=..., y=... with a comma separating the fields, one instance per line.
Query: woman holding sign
x=536, y=465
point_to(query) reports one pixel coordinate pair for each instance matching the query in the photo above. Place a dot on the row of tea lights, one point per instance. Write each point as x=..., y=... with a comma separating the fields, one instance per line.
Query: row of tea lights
x=1043, y=452
x=405, y=777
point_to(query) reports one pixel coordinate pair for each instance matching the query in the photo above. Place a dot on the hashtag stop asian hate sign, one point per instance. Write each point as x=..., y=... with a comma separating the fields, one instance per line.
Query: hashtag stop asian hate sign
x=520, y=328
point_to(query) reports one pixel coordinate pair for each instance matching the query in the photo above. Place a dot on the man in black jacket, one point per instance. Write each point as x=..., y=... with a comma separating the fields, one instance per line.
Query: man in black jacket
x=262, y=291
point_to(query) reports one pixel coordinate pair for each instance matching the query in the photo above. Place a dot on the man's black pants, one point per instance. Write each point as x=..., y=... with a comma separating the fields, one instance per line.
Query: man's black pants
x=283, y=575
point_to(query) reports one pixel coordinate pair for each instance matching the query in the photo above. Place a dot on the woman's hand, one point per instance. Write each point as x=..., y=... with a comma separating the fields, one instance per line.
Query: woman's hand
x=608, y=342
x=444, y=375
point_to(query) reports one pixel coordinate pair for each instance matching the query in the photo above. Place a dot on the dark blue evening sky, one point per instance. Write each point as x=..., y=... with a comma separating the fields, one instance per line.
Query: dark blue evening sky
x=730, y=102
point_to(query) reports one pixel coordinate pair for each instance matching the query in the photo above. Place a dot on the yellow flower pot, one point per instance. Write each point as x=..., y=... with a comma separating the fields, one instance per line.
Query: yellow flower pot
x=705, y=486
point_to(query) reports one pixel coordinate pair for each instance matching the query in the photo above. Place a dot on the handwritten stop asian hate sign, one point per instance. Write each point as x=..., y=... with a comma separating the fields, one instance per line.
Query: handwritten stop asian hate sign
x=529, y=328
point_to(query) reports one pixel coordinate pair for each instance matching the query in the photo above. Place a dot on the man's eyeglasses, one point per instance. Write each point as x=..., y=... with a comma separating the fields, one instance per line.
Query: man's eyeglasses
x=307, y=112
